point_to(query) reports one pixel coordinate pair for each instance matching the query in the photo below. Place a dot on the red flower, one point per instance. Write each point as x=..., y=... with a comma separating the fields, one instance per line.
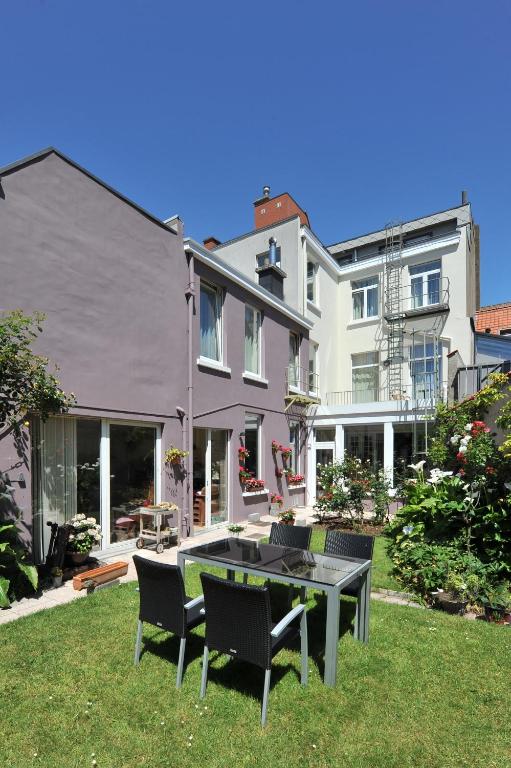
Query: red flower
x=490, y=470
x=461, y=457
x=462, y=472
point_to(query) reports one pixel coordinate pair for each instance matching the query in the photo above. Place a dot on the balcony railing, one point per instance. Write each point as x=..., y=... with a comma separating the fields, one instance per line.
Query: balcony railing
x=471, y=378
x=422, y=296
x=422, y=394
x=300, y=380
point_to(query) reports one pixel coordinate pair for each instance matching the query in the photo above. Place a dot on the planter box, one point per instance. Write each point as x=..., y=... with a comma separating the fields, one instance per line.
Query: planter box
x=296, y=486
x=260, y=492
x=100, y=575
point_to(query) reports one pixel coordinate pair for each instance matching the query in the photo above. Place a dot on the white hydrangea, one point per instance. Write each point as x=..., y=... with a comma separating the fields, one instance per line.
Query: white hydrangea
x=468, y=427
x=463, y=449
x=455, y=439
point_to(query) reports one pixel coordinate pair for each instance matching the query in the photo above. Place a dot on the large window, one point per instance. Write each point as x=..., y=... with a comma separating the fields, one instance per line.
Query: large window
x=365, y=443
x=425, y=366
x=210, y=323
x=311, y=282
x=252, y=340
x=294, y=442
x=364, y=295
x=313, y=369
x=425, y=284
x=294, y=360
x=365, y=377
x=253, y=443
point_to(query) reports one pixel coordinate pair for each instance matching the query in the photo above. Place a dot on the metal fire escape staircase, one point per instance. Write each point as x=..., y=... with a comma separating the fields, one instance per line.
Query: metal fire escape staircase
x=393, y=310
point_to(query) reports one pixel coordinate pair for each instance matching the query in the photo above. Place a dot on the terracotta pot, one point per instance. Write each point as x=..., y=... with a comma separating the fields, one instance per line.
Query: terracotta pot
x=287, y=522
x=77, y=558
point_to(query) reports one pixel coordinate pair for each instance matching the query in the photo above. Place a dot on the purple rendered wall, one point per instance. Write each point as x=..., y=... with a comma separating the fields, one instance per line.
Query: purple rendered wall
x=111, y=282
x=213, y=390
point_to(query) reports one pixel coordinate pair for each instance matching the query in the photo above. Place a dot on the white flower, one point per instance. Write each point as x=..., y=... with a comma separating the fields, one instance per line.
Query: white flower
x=407, y=529
x=417, y=467
x=465, y=440
x=81, y=536
x=468, y=427
x=455, y=439
x=463, y=449
x=437, y=476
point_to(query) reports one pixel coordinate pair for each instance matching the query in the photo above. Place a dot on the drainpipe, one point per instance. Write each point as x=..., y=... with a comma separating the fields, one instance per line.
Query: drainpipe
x=190, y=298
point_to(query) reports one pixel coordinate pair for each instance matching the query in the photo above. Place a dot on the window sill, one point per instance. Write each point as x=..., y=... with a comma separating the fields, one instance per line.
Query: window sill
x=363, y=321
x=255, y=378
x=295, y=487
x=205, y=362
x=262, y=492
x=313, y=307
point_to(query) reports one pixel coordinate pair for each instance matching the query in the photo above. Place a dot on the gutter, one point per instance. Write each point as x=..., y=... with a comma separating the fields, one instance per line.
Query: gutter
x=190, y=298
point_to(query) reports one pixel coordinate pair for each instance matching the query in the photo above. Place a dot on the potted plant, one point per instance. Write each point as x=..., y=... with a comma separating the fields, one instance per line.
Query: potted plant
x=275, y=447
x=287, y=516
x=286, y=452
x=85, y=532
x=244, y=474
x=235, y=529
x=56, y=574
x=175, y=455
x=276, y=503
x=497, y=603
x=454, y=597
x=293, y=479
x=243, y=453
x=253, y=484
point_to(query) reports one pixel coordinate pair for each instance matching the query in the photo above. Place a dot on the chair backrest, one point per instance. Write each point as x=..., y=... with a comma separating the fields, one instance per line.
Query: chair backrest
x=162, y=595
x=238, y=619
x=298, y=536
x=349, y=544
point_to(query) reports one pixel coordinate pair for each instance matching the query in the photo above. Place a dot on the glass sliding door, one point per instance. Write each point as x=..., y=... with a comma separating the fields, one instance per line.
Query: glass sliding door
x=210, y=477
x=132, y=477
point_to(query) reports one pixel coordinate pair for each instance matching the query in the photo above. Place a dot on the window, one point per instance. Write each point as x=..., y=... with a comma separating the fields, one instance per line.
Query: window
x=313, y=369
x=425, y=284
x=311, y=282
x=263, y=259
x=210, y=322
x=425, y=367
x=365, y=377
x=364, y=294
x=253, y=443
x=505, y=332
x=252, y=340
x=324, y=434
x=294, y=360
x=294, y=443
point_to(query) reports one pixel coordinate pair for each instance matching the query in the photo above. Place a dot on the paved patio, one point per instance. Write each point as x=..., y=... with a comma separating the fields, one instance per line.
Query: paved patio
x=64, y=594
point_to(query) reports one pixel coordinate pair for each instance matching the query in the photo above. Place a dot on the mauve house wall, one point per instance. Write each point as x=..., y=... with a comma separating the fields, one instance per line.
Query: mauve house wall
x=111, y=283
x=214, y=390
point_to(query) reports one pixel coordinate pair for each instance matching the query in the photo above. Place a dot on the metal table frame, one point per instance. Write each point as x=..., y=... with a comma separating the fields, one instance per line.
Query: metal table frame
x=333, y=593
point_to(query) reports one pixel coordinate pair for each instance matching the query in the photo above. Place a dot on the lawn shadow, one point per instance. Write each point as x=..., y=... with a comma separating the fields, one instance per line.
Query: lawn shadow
x=166, y=646
x=316, y=625
x=246, y=678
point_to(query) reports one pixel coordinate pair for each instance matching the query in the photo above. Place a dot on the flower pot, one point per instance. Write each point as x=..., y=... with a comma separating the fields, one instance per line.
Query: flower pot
x=57, y=581
x=287, y=522
x=497, y=615
x=77, y=558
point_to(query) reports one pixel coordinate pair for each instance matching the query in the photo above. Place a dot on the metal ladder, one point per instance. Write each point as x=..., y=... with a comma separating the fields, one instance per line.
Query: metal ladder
x=393, y=307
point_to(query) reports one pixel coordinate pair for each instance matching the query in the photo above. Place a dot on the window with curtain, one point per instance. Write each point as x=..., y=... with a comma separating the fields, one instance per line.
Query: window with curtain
x=252, y=340
x=425, y=284
x=252, y=443
x=364, y=295
x=425, y=366
x=294, y=442
x=294, y=357
x=313, y=369
x=365, y=377
x=210, y=323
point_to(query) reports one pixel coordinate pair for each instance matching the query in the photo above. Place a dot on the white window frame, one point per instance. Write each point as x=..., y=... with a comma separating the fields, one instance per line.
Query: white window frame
x=312, y=282
x=218, y=320
x=295, y=457
x=417, y=273
x=359, y=367
x=296, y=363
x=257, y=317
x=426, y=391
x=363, y=290
x=313, y=358
x=259, y=457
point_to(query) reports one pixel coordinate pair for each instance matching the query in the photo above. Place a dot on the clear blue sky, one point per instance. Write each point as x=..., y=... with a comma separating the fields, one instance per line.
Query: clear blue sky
x=363, y=111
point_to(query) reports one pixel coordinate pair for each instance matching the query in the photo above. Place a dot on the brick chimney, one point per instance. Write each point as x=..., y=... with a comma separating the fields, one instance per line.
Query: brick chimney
x=211, y=243
x=270, y=210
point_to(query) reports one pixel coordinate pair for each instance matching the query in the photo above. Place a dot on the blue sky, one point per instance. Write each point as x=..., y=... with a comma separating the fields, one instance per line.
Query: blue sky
x=363, y=111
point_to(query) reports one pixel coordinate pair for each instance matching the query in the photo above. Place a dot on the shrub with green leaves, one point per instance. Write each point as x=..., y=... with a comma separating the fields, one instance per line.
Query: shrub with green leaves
x=17, y=577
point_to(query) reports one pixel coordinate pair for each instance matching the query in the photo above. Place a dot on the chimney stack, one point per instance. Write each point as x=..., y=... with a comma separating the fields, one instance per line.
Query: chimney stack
x=464, y=197
x=266, y=192
x=211, y=243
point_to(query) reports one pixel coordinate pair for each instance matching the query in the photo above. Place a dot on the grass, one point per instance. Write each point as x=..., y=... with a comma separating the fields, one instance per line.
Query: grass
x=429, y=691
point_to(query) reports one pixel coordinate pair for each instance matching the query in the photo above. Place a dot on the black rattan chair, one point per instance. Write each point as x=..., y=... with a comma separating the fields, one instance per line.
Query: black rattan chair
x=239, y=623
x=349, y=545
x=297, y=536
x=164, y=604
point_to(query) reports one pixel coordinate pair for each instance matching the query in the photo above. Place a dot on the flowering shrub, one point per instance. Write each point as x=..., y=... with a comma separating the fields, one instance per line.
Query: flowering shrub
x=345, y=485
x=276, y=498
x=295, y=479
x=254, y=485
x=84, y=534
x=287, y=516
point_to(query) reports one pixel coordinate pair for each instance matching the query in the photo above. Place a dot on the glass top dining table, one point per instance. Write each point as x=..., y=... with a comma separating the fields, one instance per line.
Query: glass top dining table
x=328, y=573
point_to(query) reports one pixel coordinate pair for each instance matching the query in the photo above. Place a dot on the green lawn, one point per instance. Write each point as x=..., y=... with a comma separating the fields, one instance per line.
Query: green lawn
x=429, y=691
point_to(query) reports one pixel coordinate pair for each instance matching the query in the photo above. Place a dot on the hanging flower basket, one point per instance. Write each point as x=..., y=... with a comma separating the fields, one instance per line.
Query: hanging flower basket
x=175, y=455
x=254, y=485
x=295, y=479
x=243, y=453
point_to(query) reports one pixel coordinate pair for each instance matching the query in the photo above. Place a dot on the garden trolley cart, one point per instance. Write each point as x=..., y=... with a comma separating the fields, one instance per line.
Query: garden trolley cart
x=156, y=525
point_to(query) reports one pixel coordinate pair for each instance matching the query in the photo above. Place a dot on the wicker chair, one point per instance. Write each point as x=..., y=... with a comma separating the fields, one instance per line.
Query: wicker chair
x=350, y=545
x=239, y=623
x=164, y=604
x=297, y=536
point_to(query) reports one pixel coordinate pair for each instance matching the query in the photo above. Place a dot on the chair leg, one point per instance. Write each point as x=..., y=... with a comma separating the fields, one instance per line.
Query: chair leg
x=266, y=690
x=204, y=680
x=245, y=578
x=181, y=662
x=304, y=642
x=138, y=642
x=303, y=595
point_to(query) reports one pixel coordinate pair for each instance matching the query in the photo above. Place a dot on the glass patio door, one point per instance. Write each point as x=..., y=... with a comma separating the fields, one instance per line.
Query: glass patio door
x=210, y=477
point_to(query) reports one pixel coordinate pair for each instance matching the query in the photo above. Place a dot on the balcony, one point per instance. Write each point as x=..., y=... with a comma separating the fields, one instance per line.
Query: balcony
x=471, y=378
x=422, y=394
x=425, y=295
x=302, y=383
